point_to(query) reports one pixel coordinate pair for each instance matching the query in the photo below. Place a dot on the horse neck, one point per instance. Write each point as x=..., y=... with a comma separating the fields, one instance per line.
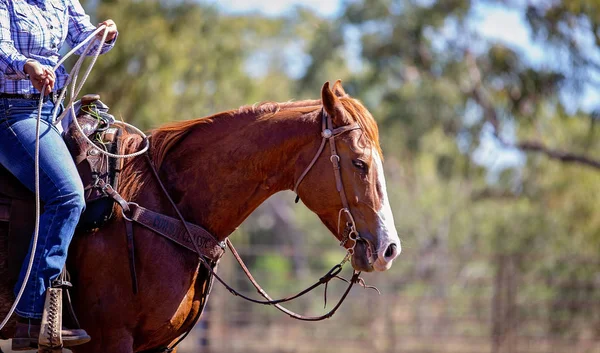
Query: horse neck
x=222, y=171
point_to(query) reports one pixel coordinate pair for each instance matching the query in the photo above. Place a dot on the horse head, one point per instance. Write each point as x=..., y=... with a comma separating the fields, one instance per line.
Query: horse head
x=344, y=184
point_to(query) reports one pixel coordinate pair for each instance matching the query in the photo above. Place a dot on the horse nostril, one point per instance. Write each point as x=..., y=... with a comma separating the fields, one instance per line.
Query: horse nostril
x=390, y=252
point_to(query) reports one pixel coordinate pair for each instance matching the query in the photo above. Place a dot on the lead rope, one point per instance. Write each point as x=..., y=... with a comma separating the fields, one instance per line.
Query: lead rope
x=72, y=77
x=75, y=92
x=37, y=215
x=324, y=280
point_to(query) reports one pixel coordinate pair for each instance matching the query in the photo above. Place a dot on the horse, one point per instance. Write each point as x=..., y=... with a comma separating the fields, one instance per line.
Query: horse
x=218, y=170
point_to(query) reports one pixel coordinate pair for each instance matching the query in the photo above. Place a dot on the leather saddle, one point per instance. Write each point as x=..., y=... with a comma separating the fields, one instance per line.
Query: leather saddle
x=17, y=203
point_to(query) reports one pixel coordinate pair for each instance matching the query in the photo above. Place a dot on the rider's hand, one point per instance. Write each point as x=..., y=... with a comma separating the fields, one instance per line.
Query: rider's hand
x=111, y=28
x=40, y=75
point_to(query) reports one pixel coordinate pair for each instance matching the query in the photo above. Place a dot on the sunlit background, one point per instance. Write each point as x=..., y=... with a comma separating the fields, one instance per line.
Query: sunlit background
x=489, y=113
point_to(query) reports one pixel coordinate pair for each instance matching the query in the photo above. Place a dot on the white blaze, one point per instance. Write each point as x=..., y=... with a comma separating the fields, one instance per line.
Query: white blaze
x=386, y=230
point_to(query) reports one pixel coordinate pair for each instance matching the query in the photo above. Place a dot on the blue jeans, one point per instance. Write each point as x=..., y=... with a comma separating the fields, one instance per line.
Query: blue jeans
x=61, y=191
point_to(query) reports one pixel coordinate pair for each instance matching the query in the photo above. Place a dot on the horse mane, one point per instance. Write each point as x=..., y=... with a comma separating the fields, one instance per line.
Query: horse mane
x=167, y=136
x=164, y=138
x=364, y=119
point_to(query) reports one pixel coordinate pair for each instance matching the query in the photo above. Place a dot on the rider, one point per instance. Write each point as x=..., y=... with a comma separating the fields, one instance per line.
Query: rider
x=32, y=33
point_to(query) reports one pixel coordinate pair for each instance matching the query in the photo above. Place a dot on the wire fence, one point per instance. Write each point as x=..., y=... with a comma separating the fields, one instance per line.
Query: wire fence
x=433, y=299
x=493, y=308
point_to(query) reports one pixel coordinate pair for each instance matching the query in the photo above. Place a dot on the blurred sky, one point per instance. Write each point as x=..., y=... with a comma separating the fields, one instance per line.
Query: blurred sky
x=277, y=7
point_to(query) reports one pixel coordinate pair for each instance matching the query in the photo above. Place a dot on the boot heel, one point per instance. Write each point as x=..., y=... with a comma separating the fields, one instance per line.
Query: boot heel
x=23, y=344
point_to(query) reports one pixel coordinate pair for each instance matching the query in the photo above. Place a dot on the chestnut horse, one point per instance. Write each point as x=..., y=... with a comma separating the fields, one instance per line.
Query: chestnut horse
x=218, y=170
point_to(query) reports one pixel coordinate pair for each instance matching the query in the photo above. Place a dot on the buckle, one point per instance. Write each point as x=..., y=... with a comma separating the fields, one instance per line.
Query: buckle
x=58, y=283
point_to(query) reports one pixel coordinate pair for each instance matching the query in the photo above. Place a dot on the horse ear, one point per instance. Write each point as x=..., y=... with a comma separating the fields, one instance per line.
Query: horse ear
x=338, y=89
x=333, y=106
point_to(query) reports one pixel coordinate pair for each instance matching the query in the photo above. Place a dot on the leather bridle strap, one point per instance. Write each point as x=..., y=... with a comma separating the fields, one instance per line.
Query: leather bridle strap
x=108, y=189
x=328, y=133
x=172, y=229
x=335, y=158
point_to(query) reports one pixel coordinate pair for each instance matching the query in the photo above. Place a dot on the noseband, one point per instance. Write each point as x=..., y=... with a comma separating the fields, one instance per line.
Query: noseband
x=328, y=133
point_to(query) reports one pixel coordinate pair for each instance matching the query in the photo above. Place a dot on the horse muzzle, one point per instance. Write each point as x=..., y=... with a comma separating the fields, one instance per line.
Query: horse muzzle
x=367, y=260
x=386, y=256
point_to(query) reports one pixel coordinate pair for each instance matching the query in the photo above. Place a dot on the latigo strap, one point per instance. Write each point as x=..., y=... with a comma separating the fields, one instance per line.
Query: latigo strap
x=174, y=230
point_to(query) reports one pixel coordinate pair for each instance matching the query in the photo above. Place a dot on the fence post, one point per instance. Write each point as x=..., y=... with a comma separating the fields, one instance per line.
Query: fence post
x=504, y=308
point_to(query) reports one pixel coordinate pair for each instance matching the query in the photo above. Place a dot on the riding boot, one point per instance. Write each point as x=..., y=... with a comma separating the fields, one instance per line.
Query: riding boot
x=28, y=331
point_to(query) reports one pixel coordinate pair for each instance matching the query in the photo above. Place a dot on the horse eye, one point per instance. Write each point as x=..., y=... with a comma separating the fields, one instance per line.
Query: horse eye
x=359, y=164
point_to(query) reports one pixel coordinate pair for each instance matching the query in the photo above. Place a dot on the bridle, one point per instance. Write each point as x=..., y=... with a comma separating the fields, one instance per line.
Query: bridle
x=328, y=133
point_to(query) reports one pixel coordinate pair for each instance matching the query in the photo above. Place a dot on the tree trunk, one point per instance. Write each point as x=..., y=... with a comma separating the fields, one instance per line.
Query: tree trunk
x=504, y=308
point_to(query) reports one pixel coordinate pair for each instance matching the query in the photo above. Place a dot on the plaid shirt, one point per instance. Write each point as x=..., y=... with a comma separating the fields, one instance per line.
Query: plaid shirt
x=37, y=29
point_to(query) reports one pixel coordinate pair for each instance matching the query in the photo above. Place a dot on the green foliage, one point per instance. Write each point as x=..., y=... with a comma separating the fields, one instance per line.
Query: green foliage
x=275, y=270
x=181, y=60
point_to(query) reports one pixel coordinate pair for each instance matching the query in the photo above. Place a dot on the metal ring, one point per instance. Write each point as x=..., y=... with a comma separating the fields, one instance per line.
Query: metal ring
x=123, y=211
x=326, y=133
x=334, y=156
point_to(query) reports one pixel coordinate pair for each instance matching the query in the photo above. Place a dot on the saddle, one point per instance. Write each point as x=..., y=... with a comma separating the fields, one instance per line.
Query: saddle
x=95, y=168
x=17, y=203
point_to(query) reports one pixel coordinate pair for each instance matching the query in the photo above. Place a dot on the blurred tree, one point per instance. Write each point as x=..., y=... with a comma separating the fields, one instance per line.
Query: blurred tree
x=184, y=59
